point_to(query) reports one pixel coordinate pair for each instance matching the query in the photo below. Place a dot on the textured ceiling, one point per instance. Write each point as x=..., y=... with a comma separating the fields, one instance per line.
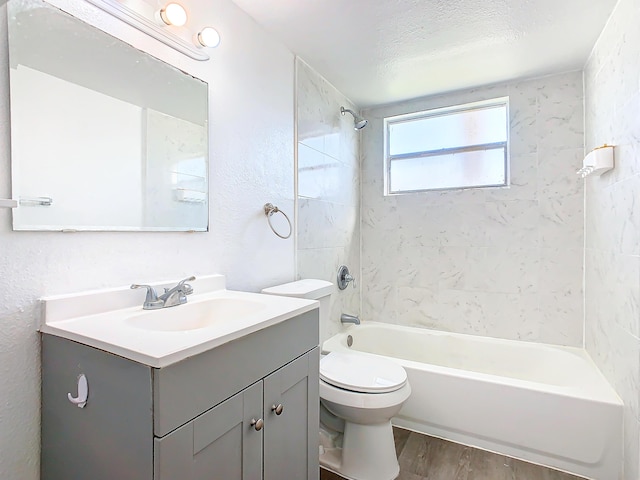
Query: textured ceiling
x=383, y=51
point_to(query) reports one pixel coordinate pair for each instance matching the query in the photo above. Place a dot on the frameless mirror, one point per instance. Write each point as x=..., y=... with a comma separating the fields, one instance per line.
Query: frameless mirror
x=103, y=135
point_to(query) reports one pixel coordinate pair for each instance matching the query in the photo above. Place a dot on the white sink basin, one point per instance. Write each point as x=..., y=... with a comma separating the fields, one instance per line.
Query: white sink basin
x=192, y=316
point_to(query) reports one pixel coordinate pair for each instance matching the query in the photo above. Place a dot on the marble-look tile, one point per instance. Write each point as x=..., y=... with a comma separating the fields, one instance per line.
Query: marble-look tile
x=557, y=172
x=324, y=178
x=329, y=190
x=626, y=139
x=561, y=318
x=560, y=121
x=561, y=270
x=455, y=225
x=379, y=301
x=416, y=306
x=472, y=258
x=624, y=201
x=562, y=221
x=626, y=52
x=379, y=213
x=510, y=223
x=523, y=109
x=503, y=270
x=613, y=219
x=513, y=316
x=460, y=311
x=325, y=224
x=523, y=183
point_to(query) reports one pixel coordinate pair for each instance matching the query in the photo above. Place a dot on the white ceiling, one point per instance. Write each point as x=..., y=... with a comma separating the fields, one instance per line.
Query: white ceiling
x=383, y=51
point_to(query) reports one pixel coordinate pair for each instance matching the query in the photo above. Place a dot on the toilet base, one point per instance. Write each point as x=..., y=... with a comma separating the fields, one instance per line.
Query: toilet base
x=368, y=453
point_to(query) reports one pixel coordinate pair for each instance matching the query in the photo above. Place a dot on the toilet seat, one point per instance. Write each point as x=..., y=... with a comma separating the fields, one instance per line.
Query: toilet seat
x=361, y=373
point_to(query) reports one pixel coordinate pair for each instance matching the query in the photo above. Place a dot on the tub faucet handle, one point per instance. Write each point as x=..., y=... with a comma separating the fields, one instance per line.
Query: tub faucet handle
x=344, y=277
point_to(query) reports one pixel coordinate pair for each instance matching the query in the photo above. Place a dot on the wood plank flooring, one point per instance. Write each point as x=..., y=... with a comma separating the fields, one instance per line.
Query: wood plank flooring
x=428, y=458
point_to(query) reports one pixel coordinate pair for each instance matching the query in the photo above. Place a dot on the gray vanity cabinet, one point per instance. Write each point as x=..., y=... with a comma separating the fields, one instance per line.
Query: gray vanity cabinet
x=246, y=410
x=273, y=423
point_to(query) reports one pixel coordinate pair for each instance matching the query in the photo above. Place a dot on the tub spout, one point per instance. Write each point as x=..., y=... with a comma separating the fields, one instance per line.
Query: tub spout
x=346, y=318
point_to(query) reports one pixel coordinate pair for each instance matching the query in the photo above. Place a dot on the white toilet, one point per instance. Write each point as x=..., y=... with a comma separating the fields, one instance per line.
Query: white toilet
x=359, y=394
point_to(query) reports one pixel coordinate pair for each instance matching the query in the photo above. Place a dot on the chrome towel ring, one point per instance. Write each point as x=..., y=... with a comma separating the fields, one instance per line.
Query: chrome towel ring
x=269, y=210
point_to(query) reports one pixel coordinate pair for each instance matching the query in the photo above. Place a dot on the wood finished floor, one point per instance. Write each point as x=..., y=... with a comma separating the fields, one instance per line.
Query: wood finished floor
x=428, y=458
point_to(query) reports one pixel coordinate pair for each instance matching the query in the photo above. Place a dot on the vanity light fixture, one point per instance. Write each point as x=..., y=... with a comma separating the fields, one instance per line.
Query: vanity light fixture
x=170, y=15
x=208, y=37
x=173, y=14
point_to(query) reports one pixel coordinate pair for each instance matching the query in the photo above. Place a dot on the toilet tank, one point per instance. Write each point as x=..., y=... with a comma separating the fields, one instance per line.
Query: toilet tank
x=310, y=289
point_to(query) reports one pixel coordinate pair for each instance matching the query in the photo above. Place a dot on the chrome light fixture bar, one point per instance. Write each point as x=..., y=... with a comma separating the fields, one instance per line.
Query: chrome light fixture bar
x=118, y=10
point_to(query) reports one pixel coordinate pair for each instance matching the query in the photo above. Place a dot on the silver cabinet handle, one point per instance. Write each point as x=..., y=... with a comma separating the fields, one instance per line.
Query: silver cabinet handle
x=277, y=409
x=257, y=424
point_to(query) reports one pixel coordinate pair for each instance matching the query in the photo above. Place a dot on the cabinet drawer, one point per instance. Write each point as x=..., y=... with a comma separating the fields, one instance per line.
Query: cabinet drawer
x=186, y=389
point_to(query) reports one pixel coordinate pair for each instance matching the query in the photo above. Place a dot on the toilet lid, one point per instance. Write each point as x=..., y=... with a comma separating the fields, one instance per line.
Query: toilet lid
x=361, y=373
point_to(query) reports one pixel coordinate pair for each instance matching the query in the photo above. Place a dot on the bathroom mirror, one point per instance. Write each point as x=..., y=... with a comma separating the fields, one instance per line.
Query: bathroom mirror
x=103, y=135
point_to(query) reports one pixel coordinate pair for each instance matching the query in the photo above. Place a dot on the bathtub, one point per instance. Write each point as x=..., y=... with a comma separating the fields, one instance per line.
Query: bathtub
x=541, y=403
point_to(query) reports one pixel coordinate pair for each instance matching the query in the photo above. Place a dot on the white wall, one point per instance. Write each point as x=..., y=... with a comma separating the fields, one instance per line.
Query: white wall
x=328, y=191
x=612, y=222
x=251, y=111
x=502, y=262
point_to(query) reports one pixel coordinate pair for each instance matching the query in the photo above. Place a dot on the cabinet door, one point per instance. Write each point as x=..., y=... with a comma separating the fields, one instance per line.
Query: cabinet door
x=291, y=437
x=220, y=444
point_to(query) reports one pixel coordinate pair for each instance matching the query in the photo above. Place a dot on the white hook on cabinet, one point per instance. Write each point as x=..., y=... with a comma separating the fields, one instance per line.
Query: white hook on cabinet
x=83, y=392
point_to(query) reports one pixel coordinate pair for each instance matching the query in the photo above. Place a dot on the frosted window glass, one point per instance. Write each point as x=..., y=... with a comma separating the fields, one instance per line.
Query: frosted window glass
x=450, y=130
x=454, y=170
x=455, y=147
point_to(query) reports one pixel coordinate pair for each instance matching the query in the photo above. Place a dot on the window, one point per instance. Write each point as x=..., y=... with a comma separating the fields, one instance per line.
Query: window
x=448, y=148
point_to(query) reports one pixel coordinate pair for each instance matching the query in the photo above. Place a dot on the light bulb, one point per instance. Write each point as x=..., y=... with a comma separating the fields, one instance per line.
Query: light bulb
x=208, y=37
x=174, y=14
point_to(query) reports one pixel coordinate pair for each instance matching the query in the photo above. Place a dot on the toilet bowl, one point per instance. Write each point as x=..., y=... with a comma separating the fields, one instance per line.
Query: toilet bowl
x=359, y=394
x=365, y=392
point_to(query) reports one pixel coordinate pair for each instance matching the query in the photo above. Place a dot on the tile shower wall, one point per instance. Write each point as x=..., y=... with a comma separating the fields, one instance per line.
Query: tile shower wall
x=328, y=190
x=612, y=222
x=503, y=262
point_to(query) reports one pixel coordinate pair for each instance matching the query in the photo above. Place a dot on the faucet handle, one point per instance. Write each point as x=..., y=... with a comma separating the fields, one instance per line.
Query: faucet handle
x=151, y=292
x=152, y=296
x=186, y=288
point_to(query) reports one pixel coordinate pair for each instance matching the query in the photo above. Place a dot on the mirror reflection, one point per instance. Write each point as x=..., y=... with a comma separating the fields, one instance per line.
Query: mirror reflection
x=103, y=136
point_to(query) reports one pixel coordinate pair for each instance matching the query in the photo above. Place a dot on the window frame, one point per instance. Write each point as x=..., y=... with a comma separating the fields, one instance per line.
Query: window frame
x=437, y=112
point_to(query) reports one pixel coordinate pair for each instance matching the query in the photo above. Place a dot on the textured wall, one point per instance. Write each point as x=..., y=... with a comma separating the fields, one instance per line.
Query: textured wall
x=503, y=262
x=251, y=111
x=612, y=222
x=328, y=190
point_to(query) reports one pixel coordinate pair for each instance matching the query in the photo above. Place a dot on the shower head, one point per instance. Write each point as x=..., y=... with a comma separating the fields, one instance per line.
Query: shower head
x=358, y=122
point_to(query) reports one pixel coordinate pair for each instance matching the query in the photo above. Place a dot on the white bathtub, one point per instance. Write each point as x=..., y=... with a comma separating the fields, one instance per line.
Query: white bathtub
x=541, y=403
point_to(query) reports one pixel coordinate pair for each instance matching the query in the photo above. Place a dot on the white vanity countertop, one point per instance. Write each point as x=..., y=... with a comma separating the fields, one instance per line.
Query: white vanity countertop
x=102, y=319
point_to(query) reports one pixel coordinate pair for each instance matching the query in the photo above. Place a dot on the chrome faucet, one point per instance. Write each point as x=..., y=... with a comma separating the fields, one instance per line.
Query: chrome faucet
x=346, y=318
x=171, y=296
